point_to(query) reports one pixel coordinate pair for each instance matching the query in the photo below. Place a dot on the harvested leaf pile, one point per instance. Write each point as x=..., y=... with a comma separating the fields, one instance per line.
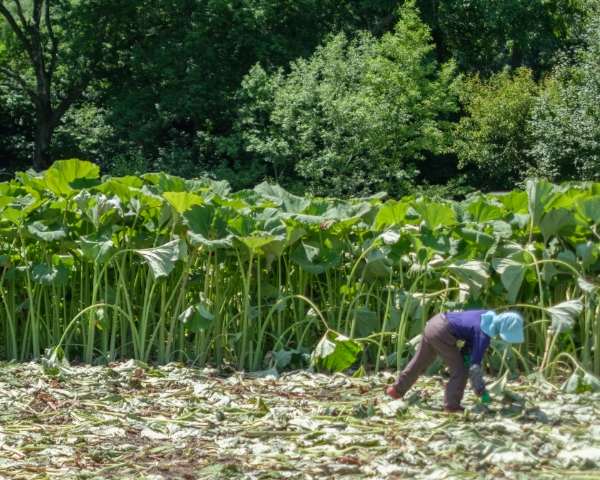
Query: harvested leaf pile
x=131, y=421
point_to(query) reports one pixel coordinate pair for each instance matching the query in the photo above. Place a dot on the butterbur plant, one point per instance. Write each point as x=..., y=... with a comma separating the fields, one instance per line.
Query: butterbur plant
x=160, y=268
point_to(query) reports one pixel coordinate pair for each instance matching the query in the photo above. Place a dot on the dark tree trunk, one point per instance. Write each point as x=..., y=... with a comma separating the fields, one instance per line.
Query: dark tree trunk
x=43, y=138
x=516, y=59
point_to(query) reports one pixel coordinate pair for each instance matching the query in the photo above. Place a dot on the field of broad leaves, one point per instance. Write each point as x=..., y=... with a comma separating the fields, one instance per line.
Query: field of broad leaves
x=160, y=268
x=129, y=420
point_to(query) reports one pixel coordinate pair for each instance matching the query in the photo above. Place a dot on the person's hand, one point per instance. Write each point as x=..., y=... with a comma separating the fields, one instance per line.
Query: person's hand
x=485, y=398
x=391, y=392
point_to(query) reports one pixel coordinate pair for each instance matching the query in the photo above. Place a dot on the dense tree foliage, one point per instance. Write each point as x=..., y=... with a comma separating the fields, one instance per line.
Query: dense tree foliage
x=515, y=128
x=565, y=124
x=326, y=96
x=354, y=118
x=494, y=134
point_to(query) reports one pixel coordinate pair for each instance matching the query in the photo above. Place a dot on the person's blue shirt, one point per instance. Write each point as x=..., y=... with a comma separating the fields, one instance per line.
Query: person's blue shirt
x=467, y=327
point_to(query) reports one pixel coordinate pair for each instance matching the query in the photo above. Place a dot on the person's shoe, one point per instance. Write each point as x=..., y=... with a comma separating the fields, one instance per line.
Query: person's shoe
x=391, y=392
x=459, y=410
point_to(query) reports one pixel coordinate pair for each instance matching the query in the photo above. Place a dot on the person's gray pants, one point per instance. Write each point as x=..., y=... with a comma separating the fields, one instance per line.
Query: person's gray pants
x=438, y=339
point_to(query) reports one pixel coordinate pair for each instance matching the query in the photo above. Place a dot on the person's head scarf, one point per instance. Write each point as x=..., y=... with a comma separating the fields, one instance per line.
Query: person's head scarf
x=509, y=325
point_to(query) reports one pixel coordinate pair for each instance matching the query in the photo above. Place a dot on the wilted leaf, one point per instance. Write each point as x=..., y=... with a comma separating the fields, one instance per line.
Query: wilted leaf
x=564, y=315
x=586, y=286
x=161, y=259
x=335, y=352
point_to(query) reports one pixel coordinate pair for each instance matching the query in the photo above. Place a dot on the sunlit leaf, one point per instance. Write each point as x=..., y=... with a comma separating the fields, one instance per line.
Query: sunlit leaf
x=182, y=201
x=335, y=352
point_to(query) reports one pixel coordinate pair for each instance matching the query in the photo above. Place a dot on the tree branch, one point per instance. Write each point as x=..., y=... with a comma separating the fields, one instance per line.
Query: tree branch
x=18, y=32
x=67, y=102
x=54, y=51
x=376, y=30
x=21, y=16
x=22, y=84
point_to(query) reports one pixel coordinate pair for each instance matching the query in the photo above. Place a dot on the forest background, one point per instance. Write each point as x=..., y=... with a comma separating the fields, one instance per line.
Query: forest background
x=329, y=97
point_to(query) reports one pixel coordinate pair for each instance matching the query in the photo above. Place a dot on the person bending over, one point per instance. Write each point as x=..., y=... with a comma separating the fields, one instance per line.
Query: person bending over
x=442, y=332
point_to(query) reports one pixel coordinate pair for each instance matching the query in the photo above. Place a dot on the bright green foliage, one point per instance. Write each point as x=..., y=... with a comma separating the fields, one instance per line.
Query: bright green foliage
x=357, y=116
x=494, y=135
x=164, y=268
x=335, y=352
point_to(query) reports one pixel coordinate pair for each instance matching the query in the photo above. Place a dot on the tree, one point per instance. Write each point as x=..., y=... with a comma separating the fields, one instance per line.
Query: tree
x=565, y=122
x=177, y=94
x=52, y=53
x=494, y=134
x=486, y=36
x=357, y=116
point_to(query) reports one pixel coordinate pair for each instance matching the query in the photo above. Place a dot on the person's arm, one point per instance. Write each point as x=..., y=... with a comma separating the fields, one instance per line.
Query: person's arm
x=480, y=345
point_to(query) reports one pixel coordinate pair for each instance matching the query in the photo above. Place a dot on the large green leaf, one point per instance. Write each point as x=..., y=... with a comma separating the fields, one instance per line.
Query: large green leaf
x=47, y=275
x=99, y=209
x=4, y=201
x=123, y=191
x=589, y=209
x=512, y=274
x=318, y=212
x=335, y=352
x=539, y=194
x=475, y=236
x=377, y=263
x=163, y=182
x=588, y=252
x=14, y=215
x=564, y=315
x=391, y=213
x=254, y=244
x=258, y=230
x=435, y=215
x=586, y=286
x=474, y=273
x=351, y=213
x=47, y=233
x=552, y=221
x=366, y=321
x=161, y=259
x=182, y=201
x=482, y=211
x=515, y=201
x=315, y=260
x=65, y=177
x=289, y=203
x=98, y=246
x=208, y=226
